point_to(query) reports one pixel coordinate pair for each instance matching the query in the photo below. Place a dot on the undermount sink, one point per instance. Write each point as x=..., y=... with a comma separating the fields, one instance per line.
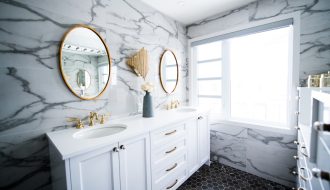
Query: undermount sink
x=187, y=109
x=99, y=132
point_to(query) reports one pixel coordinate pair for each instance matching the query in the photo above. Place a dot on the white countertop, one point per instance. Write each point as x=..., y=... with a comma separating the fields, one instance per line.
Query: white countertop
x=68, y=146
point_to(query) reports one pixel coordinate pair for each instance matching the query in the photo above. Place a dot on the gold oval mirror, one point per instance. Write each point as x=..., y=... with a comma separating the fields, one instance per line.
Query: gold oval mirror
x=169, y=71
x=85, y=62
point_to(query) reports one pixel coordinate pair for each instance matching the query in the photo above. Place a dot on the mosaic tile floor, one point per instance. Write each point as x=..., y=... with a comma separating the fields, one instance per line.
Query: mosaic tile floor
x=221, y=177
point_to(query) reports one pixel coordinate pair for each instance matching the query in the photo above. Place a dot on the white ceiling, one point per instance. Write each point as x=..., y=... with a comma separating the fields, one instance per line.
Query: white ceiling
x=190, y=11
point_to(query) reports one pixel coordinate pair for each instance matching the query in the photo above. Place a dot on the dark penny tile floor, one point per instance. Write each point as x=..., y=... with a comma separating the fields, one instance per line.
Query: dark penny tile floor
x=219, y=176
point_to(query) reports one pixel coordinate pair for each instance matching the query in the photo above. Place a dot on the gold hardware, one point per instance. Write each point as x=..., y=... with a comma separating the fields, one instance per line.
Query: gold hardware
x=171, y=168
x=296, y=142
x=173, y=104
x=170, y=133
x=167, y=152
x=92, y=116
x=296, y=157
x=169, y=187
x=103, y=116
x=79, y=125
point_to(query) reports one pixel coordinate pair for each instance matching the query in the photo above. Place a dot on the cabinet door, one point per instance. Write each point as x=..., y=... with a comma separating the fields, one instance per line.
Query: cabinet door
x=134, y=156
x=96, y=170
x=203, y=139
x=192, y=143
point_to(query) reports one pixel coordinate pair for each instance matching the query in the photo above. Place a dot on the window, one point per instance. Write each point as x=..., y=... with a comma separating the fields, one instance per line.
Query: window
x=209, y=63
x=246, y=78
x=259, y=66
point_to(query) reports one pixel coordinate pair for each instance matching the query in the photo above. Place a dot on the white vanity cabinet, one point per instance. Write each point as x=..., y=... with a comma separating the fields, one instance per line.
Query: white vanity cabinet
x=203, y=139
x=198, y=143
x=120, y=166
x=95, y=170
x=153, y=153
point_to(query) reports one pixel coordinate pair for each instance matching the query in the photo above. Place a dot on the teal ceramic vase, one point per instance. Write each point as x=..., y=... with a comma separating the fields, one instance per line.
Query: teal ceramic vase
x=147, y=106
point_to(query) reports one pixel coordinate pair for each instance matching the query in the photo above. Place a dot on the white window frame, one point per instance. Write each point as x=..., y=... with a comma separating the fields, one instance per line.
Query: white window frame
x=293, y=71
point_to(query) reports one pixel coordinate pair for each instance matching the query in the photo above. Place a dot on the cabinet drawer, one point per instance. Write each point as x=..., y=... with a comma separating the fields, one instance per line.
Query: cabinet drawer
x=172, y=181
x=164, y=136
x=169, y=167
x=169, y=151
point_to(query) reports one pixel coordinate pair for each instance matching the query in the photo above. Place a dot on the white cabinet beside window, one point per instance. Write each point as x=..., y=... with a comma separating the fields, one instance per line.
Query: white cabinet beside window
x=198, y=143
x=203, y=140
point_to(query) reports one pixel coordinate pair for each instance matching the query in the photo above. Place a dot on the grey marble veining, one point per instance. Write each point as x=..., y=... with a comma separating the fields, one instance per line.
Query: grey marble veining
x=260, y=152
x=34, y=99
x=314, y=28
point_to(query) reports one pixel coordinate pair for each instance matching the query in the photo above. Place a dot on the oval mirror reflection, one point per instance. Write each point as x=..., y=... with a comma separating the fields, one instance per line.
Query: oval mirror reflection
x=169, y=71
x=85, y=62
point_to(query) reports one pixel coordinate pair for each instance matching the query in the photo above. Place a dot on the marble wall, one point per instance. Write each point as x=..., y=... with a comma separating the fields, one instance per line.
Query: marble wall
x=260, y=152
x=33, y=97
x=269, y=154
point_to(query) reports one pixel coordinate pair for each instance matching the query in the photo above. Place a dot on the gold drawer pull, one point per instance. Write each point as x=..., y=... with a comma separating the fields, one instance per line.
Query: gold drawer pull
x=170, y=133
x=167, y=152
x=169, y=169
x=169, y=187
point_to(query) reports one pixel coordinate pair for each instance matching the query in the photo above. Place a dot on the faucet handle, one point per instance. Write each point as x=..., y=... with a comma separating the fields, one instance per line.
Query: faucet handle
x=79, y=125
x=103, y=118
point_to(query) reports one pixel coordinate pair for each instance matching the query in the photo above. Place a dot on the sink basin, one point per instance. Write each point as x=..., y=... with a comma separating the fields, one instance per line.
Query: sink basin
x=99, y=132
x=187, y=110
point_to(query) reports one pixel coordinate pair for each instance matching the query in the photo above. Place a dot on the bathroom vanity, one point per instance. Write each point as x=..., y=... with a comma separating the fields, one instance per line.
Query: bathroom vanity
x=131, y=153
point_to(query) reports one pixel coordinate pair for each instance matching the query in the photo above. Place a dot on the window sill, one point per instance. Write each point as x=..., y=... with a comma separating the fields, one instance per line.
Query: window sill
x=281, y=130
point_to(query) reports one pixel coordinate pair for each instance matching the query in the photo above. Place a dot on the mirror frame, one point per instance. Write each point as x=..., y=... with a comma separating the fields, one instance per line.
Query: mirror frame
x=60, y=60
x=160, y=71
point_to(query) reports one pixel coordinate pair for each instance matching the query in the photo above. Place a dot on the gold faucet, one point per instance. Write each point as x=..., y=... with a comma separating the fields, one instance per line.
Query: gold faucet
x=92, y=116
x=173, y=104
x=79, y=125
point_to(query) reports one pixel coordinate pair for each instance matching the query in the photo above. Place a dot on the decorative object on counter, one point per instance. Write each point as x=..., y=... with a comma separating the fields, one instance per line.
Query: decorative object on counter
x=169, y=71
x=84, y=60
x=139, y=63
x=325, y=80
x=147, y=100
x=313, y=81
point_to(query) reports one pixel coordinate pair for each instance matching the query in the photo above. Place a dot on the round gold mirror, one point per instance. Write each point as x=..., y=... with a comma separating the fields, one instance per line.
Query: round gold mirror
x=85, y=62
x=169, y=71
